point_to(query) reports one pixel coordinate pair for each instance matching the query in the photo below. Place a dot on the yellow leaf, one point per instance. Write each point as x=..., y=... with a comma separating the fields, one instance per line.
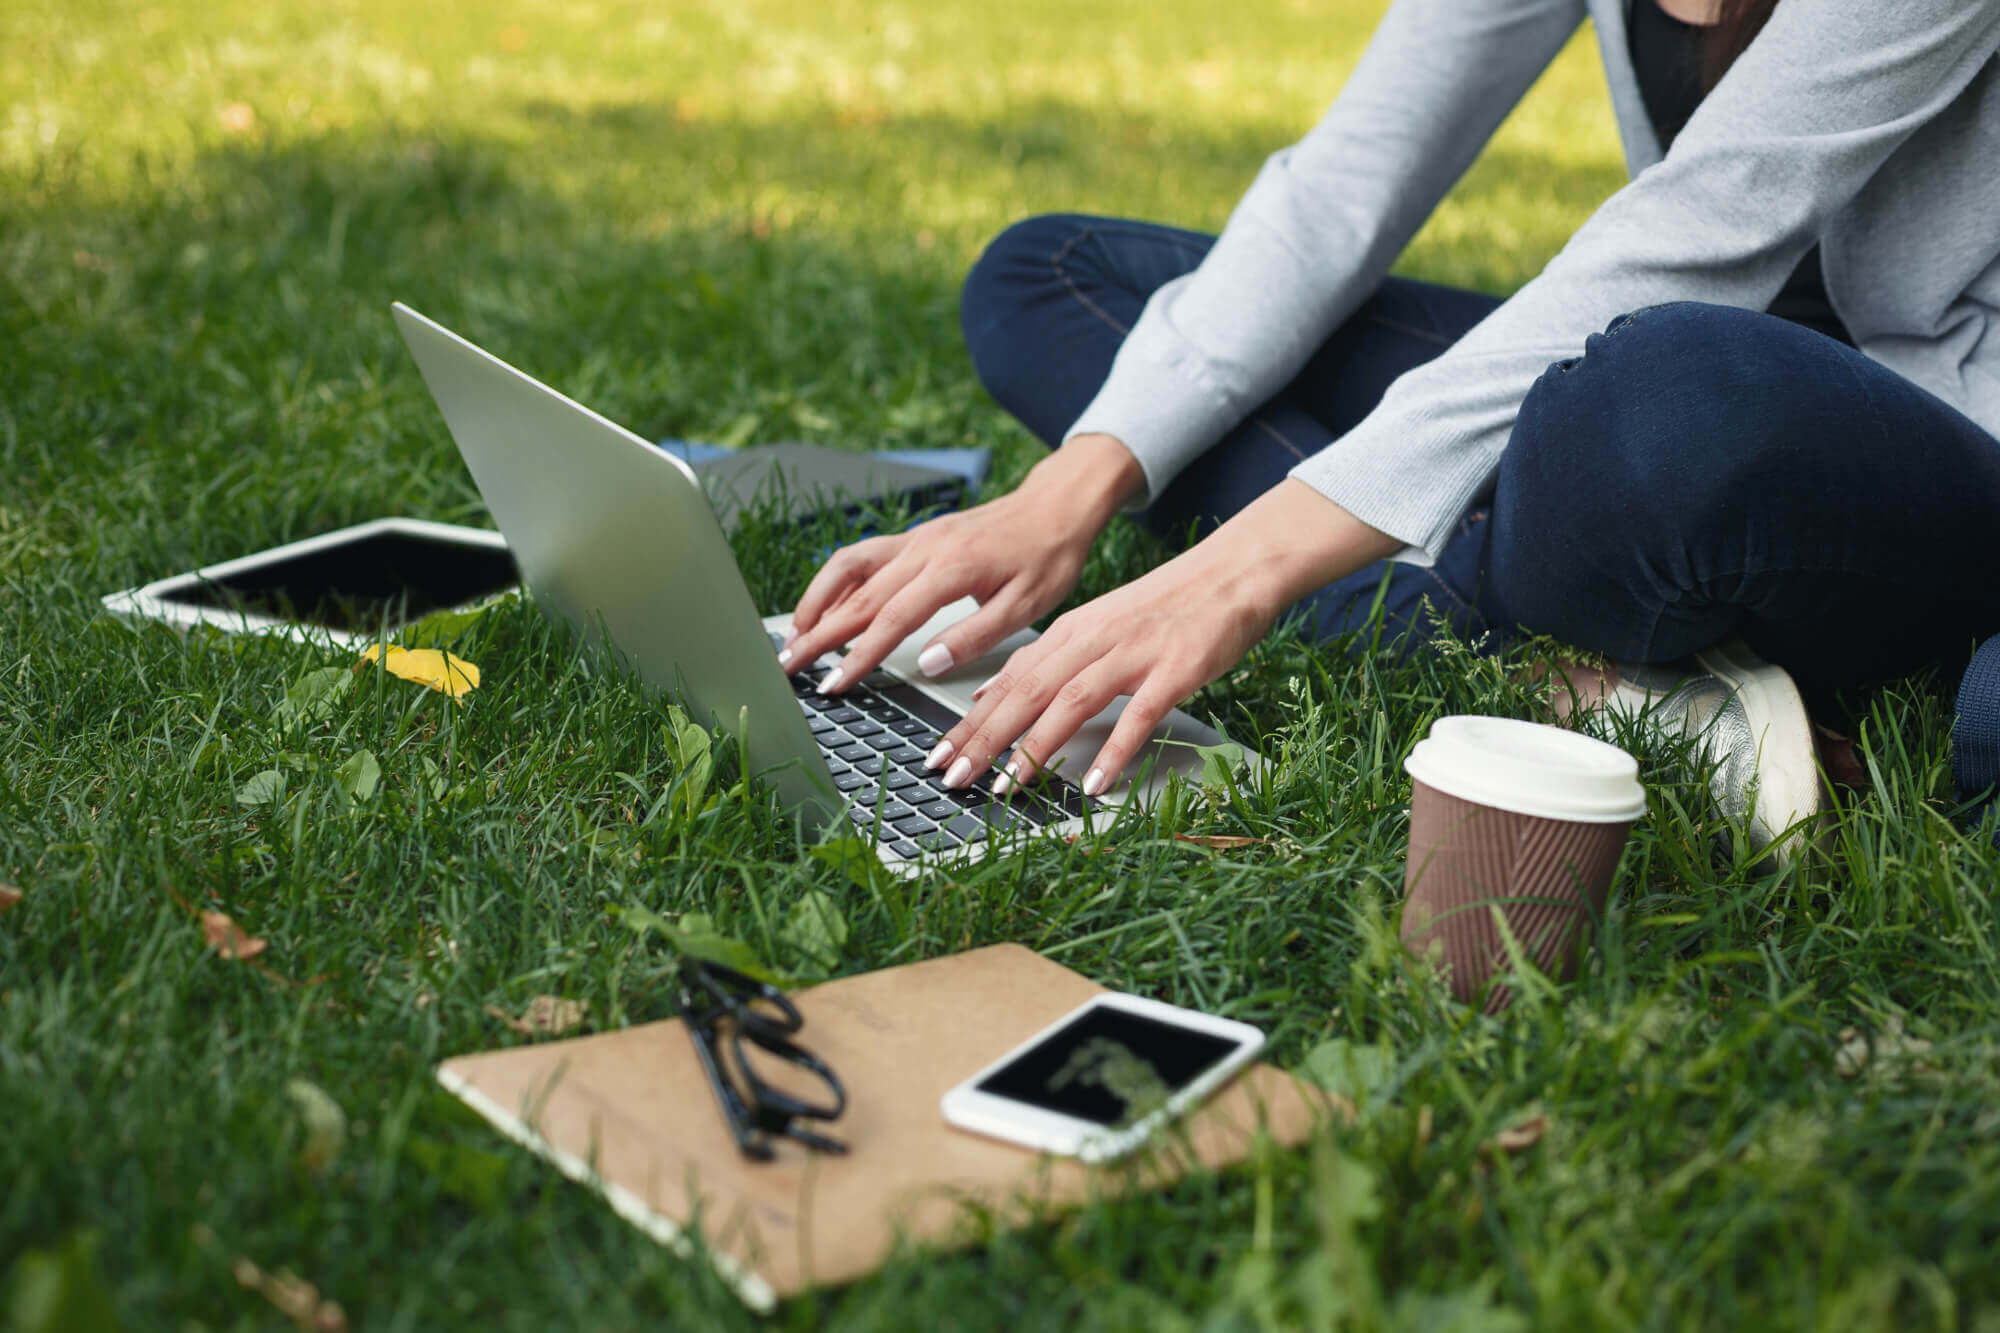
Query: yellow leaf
x=229, y=939
x=549, y=1015
x=428, y=666
x=9, y=896
x=1220, y=842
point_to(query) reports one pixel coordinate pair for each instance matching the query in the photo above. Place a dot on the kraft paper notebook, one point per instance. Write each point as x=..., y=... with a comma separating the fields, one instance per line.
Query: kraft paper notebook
x=631, y=1114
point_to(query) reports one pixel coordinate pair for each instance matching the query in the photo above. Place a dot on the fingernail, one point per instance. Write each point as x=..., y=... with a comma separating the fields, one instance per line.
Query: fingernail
x=1003, y=784
x=832, y=681
x=784, y=656
x=936, y=758
x=1093, y=782
x=791, y=637
x=934, y=660
x=984, y=684
x=960, y=774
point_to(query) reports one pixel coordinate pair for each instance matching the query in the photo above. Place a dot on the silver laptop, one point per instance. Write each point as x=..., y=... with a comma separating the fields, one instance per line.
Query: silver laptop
x=616, y=538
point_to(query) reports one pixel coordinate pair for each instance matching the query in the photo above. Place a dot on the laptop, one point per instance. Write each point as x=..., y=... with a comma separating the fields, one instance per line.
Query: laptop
x=617, y=539
x=792, y=481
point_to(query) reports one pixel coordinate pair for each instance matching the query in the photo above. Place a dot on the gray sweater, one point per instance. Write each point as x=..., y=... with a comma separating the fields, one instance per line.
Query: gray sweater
x=1870, y=126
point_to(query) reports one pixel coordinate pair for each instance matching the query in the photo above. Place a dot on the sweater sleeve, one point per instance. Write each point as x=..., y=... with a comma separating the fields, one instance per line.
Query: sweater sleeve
x=1321, y=224
x=1809, y=112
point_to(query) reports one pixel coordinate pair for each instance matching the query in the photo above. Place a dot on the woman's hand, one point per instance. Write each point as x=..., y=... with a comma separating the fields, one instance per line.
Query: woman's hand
x=1017, y=556
x=1157, y=639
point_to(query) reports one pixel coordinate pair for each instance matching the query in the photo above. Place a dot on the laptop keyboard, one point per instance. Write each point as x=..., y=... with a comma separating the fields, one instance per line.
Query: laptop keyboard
x=874, y=738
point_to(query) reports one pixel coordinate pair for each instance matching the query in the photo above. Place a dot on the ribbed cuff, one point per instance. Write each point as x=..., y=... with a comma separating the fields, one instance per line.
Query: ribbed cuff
x=1166, y=413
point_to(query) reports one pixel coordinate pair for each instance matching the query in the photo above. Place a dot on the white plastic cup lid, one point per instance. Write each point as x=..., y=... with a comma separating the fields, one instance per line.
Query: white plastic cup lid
x=1529, y=769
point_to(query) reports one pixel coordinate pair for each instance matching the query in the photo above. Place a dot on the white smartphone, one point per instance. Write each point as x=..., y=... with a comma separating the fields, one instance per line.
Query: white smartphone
x=347, y=585
x=1097, y=1082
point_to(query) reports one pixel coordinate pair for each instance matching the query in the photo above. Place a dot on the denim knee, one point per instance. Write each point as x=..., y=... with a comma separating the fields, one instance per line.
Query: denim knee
x=1017, y=270
x=1623, y=460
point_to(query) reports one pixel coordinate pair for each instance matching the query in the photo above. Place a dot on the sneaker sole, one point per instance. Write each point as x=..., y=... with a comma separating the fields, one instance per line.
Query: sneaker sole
x=1787, y=795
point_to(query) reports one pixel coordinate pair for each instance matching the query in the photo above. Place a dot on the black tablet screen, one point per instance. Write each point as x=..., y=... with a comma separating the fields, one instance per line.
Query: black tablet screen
x=384, y=579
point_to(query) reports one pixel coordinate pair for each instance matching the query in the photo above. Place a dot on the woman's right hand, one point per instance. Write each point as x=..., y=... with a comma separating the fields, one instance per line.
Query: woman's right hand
x=1017, y=556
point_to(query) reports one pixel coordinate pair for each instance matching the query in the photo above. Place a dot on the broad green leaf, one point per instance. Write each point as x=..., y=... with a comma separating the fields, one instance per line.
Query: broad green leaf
x=1353, y=1070
x=1219, y=763
x=816, y=928
x=471, y=1175
x=441, y=627
x=60, y=1289
x=694, y=935
x=359, y=774
x=434, y=780
x=263, y=788
x=314, y=696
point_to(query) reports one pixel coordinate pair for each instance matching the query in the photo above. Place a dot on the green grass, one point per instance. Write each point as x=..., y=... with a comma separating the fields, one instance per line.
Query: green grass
x=748, y=221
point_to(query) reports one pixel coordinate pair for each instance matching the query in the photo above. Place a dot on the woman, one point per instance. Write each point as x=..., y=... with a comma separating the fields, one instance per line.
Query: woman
x=1747, y=416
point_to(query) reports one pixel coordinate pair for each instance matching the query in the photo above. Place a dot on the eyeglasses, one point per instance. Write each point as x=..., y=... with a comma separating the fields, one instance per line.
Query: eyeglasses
x=760, y=1016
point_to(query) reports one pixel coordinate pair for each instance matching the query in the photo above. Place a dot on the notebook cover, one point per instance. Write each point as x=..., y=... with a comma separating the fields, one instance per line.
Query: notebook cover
x=630, y=1113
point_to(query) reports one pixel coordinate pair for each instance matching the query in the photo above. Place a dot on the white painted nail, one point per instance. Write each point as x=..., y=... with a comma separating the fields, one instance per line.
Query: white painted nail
x=960, y=774
x=935, y=660
x=791, y=637
x=936, y=758
x=784, y=657
x=831, y=681
x=1003, y=784
x=1093, y=782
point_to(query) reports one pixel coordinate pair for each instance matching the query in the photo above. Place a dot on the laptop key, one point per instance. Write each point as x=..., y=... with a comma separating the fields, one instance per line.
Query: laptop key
x=911, y=825
x=862, y=726
x=938, y=809
x=908, y=754
x=843, y=714
x=907, y=726
x=884, y=740
x=818, y=722
x=892, y=810
x=937, y=840
x=883, y=711
x=872, y=766
x=862, y=818
x=854, y=752
x=903, y=847
x=849, y=781
x=968, y=826
x=899, y=779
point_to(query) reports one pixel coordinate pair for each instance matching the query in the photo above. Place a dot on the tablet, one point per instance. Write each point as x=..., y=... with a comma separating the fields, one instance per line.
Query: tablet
x=350, y=586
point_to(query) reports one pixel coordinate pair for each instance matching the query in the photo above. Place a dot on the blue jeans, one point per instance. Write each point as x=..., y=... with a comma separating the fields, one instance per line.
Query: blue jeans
x=1700, y=472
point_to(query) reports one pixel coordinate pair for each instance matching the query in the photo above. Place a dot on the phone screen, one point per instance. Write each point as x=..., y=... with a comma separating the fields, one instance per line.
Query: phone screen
x=1109, y=1067
x=385, y=578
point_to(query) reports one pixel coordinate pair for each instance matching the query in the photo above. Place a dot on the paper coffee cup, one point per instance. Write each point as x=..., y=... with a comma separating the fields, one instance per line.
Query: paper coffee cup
x=1517, y=816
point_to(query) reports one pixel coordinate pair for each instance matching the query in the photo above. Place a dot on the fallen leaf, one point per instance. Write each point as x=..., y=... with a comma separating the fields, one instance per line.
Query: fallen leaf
x=294, y=1297
x=444, y=672
x=229, y=939
x=1219, y=841
x=1520, y=1137
x=9, y=896
x=1886, y=1052
x=546, y=1015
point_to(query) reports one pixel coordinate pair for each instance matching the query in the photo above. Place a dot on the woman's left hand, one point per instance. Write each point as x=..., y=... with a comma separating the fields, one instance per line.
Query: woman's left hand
x=1158, y=639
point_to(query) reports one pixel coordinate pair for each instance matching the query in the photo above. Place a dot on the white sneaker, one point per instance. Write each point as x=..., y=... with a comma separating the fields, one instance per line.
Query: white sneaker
x=1747, y=719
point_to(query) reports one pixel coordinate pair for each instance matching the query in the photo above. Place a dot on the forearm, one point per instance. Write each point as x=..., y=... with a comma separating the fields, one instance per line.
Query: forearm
x=1289, y=542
